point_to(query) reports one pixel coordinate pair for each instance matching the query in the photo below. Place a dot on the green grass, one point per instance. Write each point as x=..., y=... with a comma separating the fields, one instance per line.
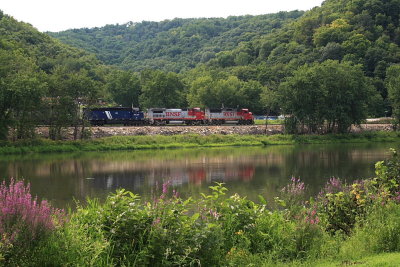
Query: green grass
x=262, y=122
x=187, y=141
x=384, y=259
x=379, y=260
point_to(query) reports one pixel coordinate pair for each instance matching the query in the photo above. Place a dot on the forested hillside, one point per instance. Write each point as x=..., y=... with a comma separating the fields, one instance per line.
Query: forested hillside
x=302, y=64
x=42, y=80
x=245, y=60
x=338, y=63
x=172, y=45
x=331, y=67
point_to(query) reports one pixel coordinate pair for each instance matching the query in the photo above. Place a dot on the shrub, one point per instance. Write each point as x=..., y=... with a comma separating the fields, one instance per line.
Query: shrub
x=388, y=174
x=339, y=206
x=158, y=233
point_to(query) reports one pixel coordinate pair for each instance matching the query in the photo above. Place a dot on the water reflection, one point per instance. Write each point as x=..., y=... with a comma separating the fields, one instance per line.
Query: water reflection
x=248, y=171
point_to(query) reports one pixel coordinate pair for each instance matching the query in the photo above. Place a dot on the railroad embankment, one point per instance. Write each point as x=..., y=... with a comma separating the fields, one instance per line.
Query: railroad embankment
x=98, y=132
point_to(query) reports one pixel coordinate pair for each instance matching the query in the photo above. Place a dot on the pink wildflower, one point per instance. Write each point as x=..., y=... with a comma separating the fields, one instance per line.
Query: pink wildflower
x=296, y=187
x=22, y=218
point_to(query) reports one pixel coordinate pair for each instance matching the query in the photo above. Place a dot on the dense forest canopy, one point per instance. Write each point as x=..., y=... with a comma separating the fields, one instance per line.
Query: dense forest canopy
x=343, y=55
x=171, y=45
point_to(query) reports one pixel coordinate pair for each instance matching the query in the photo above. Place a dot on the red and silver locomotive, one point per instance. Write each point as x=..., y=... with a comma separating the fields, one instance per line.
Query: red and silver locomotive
x=189, y=116
x=195, y=116
x=228, y=115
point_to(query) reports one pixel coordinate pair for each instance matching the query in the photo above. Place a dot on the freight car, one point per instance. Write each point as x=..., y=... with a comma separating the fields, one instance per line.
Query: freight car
x=115, y=115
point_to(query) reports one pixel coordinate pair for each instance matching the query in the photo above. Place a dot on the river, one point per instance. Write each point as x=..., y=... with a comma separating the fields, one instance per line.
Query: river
x=250, y=171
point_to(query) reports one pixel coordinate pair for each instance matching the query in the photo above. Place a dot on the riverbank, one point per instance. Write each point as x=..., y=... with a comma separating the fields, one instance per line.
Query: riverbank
x=140, y=142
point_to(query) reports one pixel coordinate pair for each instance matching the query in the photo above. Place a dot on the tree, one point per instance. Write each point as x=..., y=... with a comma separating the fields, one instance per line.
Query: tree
x=124, y=88
x=70, y=90
x=201, y=92
x=357, y=44
x=332, y=51
x=22, y=86
x=213, y=92
x=392, y=82
x=303, y=98
x=250, y=96
x=329, y=94
x=336, y=32
x=160, y=89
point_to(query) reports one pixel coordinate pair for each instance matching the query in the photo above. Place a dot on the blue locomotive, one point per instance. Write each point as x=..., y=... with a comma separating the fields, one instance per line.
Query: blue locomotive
x=115, y=115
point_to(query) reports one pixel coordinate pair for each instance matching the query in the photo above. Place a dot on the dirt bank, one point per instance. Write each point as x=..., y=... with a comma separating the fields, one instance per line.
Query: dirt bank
x=97, y=132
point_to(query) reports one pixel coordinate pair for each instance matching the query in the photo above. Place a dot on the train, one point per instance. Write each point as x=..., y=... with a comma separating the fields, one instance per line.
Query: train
x=163, y=116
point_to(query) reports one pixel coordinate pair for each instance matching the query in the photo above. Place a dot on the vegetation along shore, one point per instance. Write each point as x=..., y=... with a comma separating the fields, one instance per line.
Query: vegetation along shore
x=345, y=224
x=188, y=141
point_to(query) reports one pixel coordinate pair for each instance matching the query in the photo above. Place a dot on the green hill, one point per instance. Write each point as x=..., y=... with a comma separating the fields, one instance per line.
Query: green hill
x=364, y=32
x=172, y=45
x=42, y=80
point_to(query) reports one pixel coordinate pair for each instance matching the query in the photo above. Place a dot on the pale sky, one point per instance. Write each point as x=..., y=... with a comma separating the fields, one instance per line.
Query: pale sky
x=58, y=15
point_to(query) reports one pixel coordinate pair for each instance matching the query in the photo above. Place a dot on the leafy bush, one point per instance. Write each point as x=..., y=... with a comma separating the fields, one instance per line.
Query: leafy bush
x=388, y=174
x=340, y=205
x=161, y=233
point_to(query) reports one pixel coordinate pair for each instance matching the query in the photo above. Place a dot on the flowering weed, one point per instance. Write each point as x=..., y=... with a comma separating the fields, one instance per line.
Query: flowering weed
x=24, y=220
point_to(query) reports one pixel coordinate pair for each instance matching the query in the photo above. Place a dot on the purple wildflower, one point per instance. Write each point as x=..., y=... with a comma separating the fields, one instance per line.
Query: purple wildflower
x=214, y=214
x=165, y=187
x=22, y=218
x=296, y=187
x=334, y=185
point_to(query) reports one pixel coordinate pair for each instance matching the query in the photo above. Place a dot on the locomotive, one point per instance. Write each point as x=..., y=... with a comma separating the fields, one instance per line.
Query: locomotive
x=163, y=116
x=115, y=115
x=189, y=116
x=229, y=115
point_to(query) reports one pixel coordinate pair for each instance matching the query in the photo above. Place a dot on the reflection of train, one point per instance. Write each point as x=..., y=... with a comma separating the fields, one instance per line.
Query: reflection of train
x=200, y=175
x=194, y=175
x=162, y=116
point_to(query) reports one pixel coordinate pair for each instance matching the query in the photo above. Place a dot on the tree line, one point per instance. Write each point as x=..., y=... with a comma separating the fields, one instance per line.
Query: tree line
x=332, y=67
